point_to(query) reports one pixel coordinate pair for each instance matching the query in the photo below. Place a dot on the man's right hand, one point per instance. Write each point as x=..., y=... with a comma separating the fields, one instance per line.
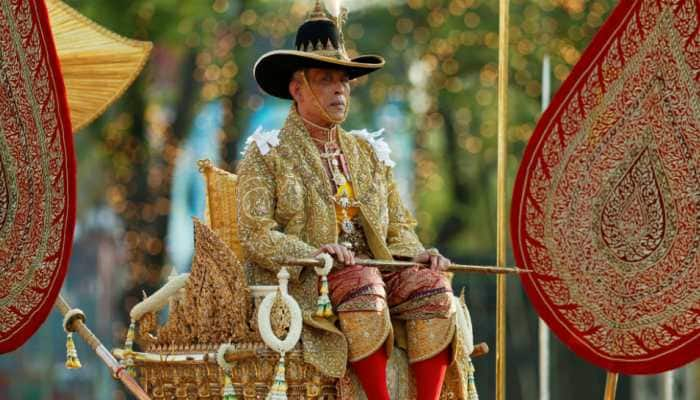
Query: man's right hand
x=339, y=252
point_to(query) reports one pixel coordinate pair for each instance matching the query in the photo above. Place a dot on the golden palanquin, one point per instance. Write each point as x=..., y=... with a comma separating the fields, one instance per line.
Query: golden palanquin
x=214, y=305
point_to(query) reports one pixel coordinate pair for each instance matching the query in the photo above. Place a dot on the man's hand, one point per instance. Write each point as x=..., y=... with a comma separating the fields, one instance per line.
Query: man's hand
x=340, y=252
x=433, y=257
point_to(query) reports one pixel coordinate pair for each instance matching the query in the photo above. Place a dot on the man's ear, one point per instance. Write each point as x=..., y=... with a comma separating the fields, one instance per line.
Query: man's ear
x=295, y=89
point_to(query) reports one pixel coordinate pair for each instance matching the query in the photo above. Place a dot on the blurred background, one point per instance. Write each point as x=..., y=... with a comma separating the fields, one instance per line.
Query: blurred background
x=139, y=185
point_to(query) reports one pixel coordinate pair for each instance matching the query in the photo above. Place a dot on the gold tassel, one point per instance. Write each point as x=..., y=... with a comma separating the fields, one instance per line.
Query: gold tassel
x=229, y=393
x=72, y=360
x=471, y=385
x=128, y=361
x=323, y=305
x=278, y=391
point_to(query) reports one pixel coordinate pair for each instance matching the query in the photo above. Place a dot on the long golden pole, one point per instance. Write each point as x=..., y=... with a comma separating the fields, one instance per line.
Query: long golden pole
x=610, y=385
x=503, y=23
x=396, y=265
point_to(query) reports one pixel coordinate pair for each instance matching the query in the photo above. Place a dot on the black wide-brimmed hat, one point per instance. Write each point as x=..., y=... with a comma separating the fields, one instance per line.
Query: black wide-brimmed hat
x=319, y=44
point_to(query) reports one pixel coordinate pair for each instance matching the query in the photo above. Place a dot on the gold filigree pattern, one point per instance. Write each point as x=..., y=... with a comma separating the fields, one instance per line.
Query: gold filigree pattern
x=366, y=331
x=280, y=318
x=216, y=301
x=251, y=378
x=428, y=337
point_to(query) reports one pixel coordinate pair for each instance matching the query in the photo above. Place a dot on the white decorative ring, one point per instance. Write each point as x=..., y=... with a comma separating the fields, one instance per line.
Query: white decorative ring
x=71, y=315
x=265, y=326
x=220, y=353
x=327, y=264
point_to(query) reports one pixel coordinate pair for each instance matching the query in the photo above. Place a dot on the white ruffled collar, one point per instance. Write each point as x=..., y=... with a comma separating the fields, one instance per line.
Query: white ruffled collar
x=265, y=140
x=381, y=148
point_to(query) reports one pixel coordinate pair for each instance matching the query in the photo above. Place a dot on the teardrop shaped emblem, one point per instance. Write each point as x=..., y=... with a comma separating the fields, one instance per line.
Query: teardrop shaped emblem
x=606, y=205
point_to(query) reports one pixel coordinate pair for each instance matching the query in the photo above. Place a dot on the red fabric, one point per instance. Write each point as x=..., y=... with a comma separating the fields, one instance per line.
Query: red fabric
x=372, y=374
x=361, y=288
x=605, y=201
x=430, y=374
x=357, y=288
x=40, y=218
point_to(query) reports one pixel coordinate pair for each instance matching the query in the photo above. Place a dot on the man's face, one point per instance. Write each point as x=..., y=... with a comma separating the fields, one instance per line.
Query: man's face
x=332, y=89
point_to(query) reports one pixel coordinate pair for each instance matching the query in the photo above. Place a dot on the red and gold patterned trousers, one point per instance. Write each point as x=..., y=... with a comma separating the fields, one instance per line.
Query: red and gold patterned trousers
x=366, y=299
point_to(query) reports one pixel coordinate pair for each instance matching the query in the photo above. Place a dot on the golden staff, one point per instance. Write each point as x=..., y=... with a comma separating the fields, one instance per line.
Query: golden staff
x=503, y=23
x=118, y=371
x=395, y=265
x=610, y=385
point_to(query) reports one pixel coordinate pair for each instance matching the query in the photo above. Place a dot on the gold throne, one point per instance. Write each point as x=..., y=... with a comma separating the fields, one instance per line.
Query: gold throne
x=212, y=319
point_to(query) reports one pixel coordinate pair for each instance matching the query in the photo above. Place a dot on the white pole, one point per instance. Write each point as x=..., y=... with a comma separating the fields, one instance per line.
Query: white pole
x=691, y=381
x=543, y=329
x=667, y=385
x=546, y=81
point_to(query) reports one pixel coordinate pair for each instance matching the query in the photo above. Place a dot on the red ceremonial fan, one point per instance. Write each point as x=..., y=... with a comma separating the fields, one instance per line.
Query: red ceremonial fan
x=606, y=204
x=37, y=161
x=37, y=173
x=53, y=59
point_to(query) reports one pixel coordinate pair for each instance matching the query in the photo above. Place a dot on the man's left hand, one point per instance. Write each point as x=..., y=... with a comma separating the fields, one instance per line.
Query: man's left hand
x=434, y=259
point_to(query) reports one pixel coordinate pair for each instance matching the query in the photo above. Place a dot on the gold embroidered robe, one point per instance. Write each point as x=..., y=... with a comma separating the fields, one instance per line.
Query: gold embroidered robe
x=285, y=209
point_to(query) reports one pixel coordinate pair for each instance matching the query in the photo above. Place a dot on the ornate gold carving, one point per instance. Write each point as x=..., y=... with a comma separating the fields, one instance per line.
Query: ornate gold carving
x=280, y=318
x=146, y=328
x=251, y=378
x=220, y=207
x=216, y=302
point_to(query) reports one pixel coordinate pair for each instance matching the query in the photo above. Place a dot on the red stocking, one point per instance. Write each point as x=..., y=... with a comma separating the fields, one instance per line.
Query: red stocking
x=372, y=374
x=430, y=374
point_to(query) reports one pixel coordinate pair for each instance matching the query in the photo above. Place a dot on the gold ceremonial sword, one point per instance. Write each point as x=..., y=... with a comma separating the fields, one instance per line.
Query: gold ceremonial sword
x=118, y=371
x=395, y=265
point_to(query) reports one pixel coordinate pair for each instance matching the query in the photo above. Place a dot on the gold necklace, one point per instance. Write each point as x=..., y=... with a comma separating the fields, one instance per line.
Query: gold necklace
x=329, y=131
x=317, y=126
x=330, y=152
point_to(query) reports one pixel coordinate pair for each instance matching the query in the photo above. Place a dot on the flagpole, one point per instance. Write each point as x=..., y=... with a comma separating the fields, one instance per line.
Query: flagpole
x=543, y=330
x=667, y=384
x=503, y=26
x=610, y=385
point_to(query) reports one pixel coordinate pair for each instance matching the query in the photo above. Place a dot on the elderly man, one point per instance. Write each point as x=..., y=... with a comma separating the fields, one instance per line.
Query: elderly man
x=313, y=188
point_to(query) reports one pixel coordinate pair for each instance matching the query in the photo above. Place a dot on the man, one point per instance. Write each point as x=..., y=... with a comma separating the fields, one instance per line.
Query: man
x=313, y=188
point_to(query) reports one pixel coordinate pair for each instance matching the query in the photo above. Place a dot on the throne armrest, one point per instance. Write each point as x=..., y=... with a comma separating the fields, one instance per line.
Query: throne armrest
x=160, y=298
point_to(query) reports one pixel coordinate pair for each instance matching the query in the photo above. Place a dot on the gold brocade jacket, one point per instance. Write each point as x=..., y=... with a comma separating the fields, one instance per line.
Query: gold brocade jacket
x=285, y=209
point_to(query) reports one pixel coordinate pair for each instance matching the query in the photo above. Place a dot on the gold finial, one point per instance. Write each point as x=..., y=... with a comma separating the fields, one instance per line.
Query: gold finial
x=318, y=12
x=339, y=22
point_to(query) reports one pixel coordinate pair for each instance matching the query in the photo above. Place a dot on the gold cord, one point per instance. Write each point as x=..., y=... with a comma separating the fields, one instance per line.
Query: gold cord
x=329, y=131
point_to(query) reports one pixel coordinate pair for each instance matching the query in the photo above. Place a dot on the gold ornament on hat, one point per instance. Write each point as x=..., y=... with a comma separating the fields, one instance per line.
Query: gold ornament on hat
x=339, y=15
x=336, y=14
